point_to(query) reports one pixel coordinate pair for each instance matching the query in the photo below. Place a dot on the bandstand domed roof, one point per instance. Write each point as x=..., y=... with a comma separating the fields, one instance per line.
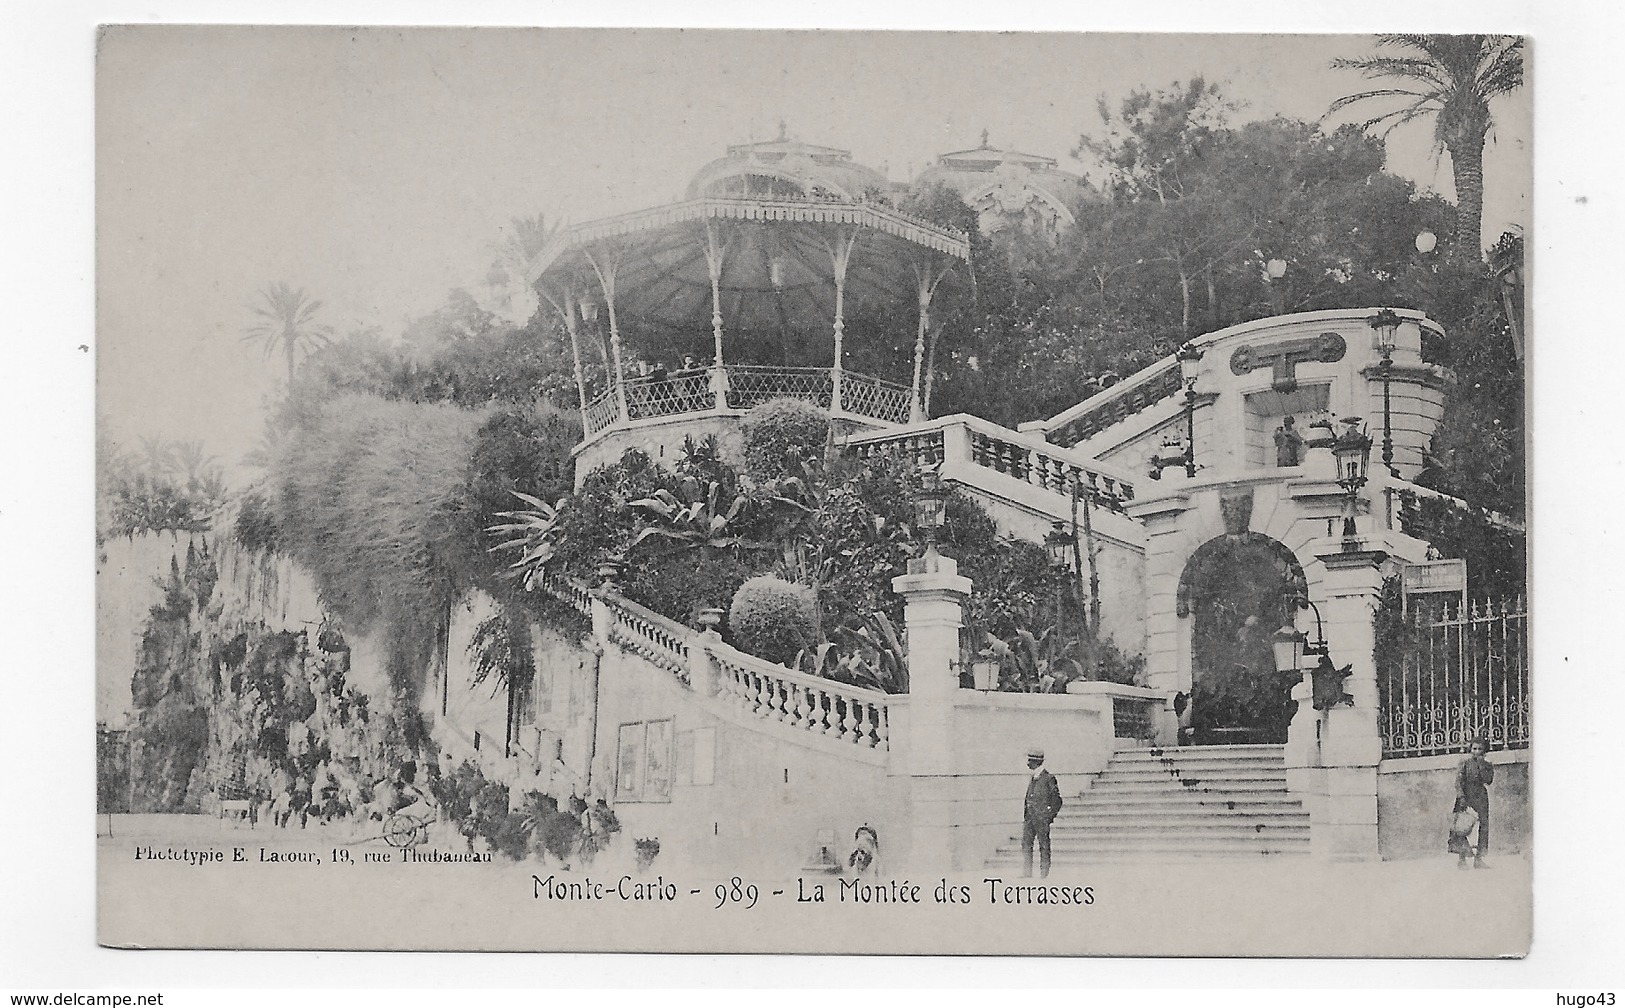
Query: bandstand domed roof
x=776, y=261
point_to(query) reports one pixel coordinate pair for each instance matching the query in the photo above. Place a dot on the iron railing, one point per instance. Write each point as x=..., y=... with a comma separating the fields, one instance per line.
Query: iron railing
x=746, y=386
x=1462, y=671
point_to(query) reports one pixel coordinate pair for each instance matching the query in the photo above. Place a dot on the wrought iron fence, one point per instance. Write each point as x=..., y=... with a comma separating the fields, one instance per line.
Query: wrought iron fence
x=1462, y=671
x=651, y=397
x=749, y=386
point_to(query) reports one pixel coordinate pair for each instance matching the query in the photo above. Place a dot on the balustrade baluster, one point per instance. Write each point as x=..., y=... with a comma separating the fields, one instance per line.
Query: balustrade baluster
x=798, y=712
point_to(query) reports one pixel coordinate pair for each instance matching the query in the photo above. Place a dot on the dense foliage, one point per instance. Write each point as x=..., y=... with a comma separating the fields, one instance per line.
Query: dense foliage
x=781, y=433
x=162, y=486
x=773, y=618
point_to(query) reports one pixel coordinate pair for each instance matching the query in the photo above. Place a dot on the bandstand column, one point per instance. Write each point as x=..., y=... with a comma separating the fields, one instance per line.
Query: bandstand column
x=575, y=357
x=916, y=412
x=566, y=308
x=840, y=255
x=606, y=280
x=713, y=262
x=928, y=279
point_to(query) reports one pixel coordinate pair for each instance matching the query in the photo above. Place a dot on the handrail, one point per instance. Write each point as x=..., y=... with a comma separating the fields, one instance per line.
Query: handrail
x=989, y=446
x=821, y=707
x=748, y=385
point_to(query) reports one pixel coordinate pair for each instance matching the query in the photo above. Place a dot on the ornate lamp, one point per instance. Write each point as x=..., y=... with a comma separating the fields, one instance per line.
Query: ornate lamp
x=984, y=673
x=1292, y=647
x=1274, y=270
x=930, y=505
x=1384, y=328
x=1288, y=645
x=1426, y=241
x=1352, y=449
x=1058, y=541
x=589, y=310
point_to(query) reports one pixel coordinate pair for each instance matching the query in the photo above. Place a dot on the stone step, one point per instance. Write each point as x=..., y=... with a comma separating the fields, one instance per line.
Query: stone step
x=1180, y=800
x=1243, y=845
x=1178, y=816
x=1202, y=753
x=1218, y=831
x=1164, y=777
x=1198, y=785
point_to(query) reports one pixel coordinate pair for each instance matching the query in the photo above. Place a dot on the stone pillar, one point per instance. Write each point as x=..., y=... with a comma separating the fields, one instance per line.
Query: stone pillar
x=702, y=668
x=1348, y=746
x=934, y=594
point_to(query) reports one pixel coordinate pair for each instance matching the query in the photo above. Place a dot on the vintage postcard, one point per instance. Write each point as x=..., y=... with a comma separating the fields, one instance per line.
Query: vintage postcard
x=836, y=492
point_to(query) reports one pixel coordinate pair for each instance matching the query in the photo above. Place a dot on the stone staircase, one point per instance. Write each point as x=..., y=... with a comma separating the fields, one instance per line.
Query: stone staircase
x=1176, y=804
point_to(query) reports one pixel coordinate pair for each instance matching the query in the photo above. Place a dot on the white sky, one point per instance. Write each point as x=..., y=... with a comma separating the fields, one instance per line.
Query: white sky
x=375, y=167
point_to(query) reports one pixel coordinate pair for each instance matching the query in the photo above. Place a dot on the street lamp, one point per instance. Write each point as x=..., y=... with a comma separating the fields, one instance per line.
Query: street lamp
x=1384, y=327
x=1352, y=449
x=1426, y=241
x=930, y=513
x=1274, y=270
x=1292, y=647
x=1190, y=360
x=1059, y=541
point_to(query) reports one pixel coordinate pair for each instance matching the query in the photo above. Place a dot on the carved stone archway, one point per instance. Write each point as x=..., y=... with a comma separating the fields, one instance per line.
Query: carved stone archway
x=1237, y=590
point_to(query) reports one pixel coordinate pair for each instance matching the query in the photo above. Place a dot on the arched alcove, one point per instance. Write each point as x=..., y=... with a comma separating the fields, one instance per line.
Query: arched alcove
x=1237, y=590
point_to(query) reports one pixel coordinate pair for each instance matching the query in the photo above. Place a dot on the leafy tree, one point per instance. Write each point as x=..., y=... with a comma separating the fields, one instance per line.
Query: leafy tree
x=288, y=324
x=1453, y=79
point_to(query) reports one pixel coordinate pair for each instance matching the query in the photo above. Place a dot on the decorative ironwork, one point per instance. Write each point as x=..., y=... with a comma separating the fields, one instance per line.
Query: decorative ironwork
x=600, y=412
x=1134, y=718
x=749, y=386
x=1464, y=672
x=669, y=396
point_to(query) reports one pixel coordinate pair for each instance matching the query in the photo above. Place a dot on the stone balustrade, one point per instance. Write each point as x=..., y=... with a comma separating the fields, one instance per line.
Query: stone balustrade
x=821, y=707
x=966, y=440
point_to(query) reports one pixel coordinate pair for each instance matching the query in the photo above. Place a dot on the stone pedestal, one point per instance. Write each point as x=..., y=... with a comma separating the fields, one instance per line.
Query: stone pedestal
x=934, y=595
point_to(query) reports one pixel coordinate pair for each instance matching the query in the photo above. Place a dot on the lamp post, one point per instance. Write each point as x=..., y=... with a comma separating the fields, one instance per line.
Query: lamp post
x=1384, y=326
x=930, y=513
x=1352, y=449
x=1292, y=647
x=1189, y=359
x=1059, y=541
x=1274, y=270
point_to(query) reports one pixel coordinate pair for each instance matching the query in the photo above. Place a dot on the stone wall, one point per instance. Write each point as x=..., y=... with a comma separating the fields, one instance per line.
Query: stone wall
x=1415, y=797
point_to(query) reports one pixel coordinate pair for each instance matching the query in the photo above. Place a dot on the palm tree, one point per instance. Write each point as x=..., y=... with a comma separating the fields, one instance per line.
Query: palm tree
x=288, y=323
x=1452, y=78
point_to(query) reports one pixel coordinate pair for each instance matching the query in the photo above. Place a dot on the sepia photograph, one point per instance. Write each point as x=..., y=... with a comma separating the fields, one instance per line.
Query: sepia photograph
x=847, y=492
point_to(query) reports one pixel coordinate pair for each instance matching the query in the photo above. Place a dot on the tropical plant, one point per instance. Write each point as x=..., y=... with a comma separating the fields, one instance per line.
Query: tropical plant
x=288, y=324
x=692, y=517
x=531, y=532
x=1453, y=79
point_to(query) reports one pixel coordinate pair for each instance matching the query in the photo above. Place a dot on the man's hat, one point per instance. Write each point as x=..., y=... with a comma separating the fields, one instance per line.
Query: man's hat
x=1035, y=753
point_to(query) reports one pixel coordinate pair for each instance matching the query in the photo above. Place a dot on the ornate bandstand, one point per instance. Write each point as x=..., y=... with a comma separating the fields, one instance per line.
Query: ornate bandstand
x=772, y=279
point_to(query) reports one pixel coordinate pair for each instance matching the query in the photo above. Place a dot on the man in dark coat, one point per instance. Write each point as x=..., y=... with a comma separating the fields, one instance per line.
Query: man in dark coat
x=1042, y=803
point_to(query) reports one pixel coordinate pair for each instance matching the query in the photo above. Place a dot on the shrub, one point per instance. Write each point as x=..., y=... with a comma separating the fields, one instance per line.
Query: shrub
x=773, y=618
x=256, y=528
x=780, y=430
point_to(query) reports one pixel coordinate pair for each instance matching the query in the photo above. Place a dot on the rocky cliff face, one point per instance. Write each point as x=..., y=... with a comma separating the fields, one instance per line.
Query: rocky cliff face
x=236, y=680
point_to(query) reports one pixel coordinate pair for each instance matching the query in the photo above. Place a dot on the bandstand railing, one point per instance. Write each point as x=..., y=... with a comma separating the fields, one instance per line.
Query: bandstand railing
x=746, y=386
x=1462, y=671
